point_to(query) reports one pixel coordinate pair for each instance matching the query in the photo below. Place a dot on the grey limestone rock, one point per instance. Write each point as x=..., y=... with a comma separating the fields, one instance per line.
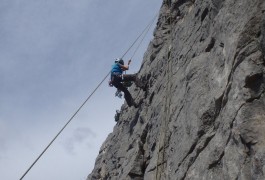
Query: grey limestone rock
x=203, y=115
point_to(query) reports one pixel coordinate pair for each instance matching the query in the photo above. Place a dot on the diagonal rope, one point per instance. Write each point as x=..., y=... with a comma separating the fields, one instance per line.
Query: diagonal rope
x=64, y=126
x=147, y=30
x=72, y=117
x=147, y=27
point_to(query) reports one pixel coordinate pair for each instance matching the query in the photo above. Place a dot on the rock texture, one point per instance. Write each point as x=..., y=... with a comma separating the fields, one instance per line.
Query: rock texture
x=203, y=115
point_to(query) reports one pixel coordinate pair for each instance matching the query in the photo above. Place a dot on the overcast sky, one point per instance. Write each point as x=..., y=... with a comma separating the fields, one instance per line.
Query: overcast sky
x=53, y=53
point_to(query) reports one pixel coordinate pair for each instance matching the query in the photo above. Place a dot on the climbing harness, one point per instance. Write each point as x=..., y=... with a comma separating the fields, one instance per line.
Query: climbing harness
x=147, y=27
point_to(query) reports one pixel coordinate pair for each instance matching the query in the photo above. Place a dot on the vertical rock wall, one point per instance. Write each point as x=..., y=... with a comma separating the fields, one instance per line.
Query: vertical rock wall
x=203, y=115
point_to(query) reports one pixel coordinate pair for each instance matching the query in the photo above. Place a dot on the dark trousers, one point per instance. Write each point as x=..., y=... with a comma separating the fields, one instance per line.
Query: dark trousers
x=116, y=81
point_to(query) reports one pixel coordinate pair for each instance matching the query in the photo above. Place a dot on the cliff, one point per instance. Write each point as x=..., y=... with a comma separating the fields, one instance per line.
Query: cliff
x=203, y=115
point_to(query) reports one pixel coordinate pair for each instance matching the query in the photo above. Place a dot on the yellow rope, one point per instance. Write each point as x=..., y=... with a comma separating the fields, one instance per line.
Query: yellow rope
x=162, y=135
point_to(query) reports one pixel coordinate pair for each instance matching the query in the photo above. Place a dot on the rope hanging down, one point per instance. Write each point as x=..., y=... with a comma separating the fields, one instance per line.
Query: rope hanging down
x=146, y=28
x=164, y=125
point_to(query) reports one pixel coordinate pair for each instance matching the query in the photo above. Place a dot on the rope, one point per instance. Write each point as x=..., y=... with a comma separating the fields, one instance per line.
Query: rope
x=64, y=126
x=147, y=27
x=162, y=135
x=169, y=87
x=146, y=30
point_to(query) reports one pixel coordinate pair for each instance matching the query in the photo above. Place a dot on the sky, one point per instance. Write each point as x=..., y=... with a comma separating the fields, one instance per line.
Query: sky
x=53, y=54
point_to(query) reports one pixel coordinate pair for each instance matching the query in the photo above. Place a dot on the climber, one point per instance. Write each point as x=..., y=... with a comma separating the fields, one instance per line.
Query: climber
x=118, y=78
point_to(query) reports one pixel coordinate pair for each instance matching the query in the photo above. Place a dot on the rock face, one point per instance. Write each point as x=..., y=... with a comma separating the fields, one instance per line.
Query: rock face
x=203, y=115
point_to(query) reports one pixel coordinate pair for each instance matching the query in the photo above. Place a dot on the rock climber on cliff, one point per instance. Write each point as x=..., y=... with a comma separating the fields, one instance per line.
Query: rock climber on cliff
x=118, y=79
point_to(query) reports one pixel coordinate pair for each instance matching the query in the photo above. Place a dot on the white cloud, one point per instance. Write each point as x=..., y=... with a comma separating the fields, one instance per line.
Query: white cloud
x=81, y=135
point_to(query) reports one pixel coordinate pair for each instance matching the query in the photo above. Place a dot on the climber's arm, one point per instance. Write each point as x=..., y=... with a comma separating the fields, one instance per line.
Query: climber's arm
x=125, y=67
